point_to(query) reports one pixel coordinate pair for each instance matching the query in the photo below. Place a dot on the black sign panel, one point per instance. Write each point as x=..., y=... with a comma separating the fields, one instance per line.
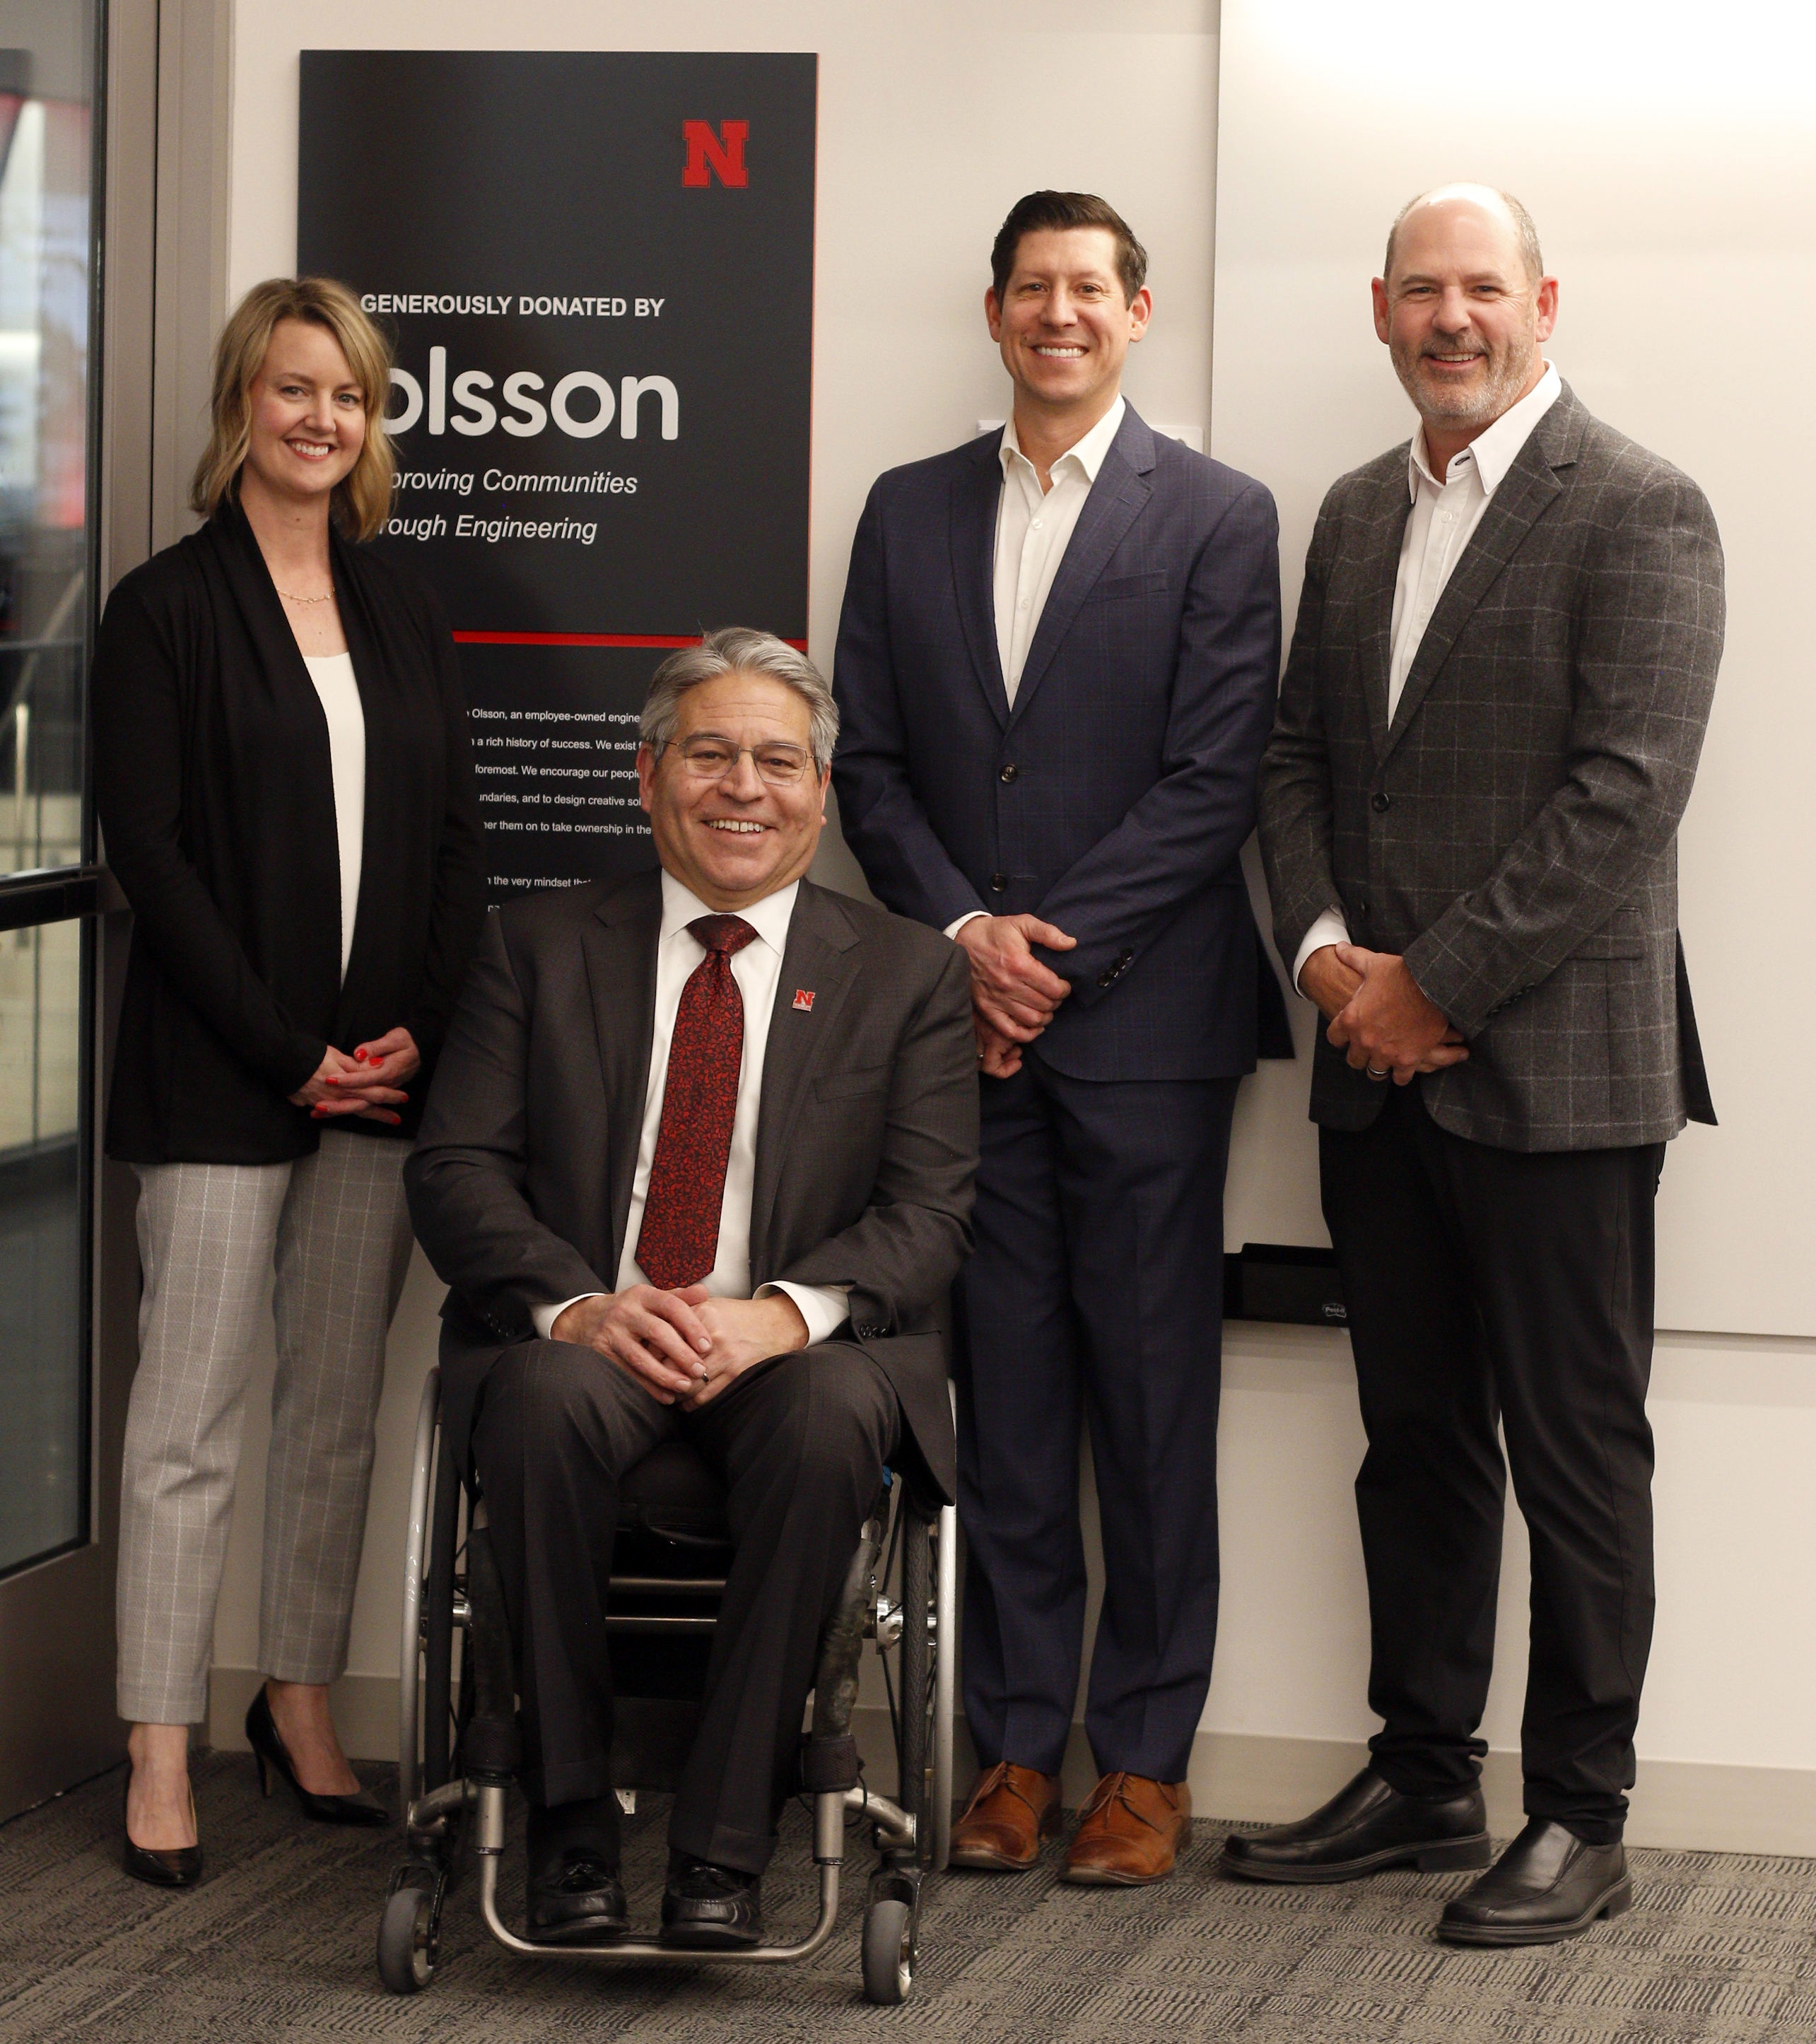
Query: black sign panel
x=598, y=270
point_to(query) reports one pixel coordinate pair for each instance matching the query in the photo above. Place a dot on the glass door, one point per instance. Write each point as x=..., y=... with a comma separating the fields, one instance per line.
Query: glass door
x=56, y=1631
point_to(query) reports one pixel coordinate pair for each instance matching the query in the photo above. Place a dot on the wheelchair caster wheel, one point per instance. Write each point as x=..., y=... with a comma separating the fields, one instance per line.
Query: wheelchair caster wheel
x=888, y=1951
x=410, y=1938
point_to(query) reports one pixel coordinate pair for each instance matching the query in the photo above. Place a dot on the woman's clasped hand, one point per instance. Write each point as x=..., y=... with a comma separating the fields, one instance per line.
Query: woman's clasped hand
x=369, y=1083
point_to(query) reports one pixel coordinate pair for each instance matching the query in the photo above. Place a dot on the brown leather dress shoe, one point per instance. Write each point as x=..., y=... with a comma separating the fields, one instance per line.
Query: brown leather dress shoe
x=1129, y=1832
x=1011, y=1810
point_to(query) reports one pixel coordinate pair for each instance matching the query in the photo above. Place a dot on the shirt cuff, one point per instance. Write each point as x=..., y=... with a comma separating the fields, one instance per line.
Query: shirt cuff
x=543, y=1317
x=825, y=1307
x=1329, y=928
x=959, y=922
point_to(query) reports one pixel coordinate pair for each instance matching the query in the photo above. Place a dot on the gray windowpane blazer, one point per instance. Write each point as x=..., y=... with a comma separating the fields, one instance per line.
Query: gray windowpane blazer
x=1512, y=830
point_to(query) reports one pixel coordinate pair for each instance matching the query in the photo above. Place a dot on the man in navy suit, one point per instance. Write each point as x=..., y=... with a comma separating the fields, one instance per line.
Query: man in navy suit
x=1056, y=669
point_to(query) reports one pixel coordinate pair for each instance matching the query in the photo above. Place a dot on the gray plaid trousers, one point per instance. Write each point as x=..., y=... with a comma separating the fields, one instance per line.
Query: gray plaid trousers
x=334, y=1229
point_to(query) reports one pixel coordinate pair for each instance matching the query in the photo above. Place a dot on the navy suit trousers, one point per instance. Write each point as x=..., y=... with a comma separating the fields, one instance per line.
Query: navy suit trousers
x=1095, y=1296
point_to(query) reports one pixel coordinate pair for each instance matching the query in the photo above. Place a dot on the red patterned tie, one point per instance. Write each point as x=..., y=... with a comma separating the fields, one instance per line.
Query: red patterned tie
x=679, y=1242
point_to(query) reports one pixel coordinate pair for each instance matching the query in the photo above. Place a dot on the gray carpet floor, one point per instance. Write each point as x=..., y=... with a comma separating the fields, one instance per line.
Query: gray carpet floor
x=276, y=1947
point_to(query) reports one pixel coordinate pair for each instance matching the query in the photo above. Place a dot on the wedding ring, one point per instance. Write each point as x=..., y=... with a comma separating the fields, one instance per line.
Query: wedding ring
x=1377, y=1076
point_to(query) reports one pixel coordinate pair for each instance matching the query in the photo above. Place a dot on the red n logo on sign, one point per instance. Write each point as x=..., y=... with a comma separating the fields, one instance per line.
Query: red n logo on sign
x=724, y=151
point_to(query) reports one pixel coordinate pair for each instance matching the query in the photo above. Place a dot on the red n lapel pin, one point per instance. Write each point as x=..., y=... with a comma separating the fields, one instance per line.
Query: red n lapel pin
x=803, y=997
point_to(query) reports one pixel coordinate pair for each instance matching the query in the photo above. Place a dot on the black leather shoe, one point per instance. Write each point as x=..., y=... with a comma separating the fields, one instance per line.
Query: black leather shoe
x=268, y=1749
x=708, y=1908
x=1547, y=1886
x=579, y=1901
x=1362, y=1828
x=166, y=1866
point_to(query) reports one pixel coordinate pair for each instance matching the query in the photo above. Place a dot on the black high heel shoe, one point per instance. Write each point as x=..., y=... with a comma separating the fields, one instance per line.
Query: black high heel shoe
x=170, y=1866
x=268, y=1749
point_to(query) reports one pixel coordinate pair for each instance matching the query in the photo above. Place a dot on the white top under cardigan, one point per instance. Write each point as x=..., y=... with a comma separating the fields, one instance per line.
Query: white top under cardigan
x=332, y=675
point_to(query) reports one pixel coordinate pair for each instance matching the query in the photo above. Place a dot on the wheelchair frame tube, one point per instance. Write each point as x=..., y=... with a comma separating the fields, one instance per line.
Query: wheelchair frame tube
x=945, y=1665
x=415, y=1557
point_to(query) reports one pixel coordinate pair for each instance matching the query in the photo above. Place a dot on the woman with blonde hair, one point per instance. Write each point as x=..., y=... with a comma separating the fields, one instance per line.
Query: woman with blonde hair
x=283, y=771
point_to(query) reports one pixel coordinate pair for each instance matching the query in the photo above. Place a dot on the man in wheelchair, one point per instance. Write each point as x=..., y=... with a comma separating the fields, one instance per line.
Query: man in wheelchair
x=697, y=1163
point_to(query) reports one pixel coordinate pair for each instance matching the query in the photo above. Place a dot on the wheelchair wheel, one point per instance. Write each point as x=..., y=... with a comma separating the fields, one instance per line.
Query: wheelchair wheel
x=888, y=1951
x=410, y=1932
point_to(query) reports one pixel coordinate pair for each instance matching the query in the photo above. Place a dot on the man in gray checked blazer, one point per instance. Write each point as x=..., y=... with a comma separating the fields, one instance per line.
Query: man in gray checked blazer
x=1489, y=726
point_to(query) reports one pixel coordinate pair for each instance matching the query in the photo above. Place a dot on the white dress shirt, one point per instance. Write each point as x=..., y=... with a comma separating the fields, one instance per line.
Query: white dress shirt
x=1033, y=528
x=1441, y=523
x=336, y=684
x=756, y=969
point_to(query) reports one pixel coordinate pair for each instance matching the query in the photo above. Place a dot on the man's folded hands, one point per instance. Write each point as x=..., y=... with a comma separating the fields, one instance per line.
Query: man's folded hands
x=685, y=1346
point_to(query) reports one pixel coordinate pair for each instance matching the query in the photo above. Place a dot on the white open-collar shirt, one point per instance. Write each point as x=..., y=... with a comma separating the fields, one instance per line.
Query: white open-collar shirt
x=1439, y=525
x=757, y=969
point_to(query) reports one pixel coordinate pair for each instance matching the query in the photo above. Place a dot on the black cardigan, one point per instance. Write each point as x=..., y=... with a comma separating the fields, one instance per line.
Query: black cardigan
x=213, y=785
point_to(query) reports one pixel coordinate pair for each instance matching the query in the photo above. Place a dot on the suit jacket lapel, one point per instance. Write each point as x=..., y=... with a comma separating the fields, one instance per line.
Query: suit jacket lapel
x=976, y=493
x=1381, y=572
x=1117, y=499
x=822, y=954
x=621, y=977
x=1527, y=490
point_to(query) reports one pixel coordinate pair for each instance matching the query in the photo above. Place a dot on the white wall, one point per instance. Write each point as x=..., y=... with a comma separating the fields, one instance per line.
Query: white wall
x=1667, y=154
x=931, y=120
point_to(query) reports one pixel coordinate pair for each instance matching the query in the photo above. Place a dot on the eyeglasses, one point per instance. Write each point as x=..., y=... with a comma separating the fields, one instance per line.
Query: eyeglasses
x=709, y=759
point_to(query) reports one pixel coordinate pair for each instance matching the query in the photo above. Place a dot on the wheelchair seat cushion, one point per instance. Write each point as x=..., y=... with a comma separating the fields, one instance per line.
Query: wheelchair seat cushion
x=672, y=1492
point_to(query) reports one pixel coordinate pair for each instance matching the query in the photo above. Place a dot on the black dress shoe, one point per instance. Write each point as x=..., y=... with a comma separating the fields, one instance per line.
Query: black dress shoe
x=1362, y=1828
x=708, y=1908
x=1547, y=1886
x=579, y=1901
x=166, y=1866
x=269, y=1749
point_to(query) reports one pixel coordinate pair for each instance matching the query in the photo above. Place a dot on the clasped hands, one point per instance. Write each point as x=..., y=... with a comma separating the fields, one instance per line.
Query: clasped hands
x=683, y=1346
x=1378, y=1016
x=368, y=1083
x=1013, y=996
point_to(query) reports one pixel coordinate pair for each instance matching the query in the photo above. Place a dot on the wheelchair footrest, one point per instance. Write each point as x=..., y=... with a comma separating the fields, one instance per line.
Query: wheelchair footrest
x=828, y=1766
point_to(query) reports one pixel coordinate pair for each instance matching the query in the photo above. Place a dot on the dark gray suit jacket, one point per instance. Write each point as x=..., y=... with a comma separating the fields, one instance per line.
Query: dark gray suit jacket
x=867, y=1137
x=1513, y=831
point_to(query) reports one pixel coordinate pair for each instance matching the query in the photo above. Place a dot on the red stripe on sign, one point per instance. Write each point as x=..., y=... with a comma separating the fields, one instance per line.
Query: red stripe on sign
x=633, y=639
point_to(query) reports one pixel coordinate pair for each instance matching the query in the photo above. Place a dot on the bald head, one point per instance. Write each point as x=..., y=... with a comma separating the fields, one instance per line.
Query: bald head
x=1483, y=199
x=1465, y=306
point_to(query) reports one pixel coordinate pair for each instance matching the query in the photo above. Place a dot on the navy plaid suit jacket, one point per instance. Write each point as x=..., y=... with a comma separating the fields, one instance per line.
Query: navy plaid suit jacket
x=1113, y=799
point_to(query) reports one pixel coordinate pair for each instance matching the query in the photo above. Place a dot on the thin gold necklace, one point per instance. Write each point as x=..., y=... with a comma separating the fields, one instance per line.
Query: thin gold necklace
x=289, y=597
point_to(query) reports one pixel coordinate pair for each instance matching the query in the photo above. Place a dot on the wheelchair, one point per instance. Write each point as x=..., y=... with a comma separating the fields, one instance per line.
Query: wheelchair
x=457, y=1733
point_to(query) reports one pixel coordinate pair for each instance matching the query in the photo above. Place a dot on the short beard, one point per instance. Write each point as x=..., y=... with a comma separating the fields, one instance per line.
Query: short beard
x=1472, y=410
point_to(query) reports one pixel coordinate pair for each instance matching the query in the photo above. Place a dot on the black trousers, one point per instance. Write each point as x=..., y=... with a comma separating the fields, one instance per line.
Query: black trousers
x=800, y=1442
x=1488, y=1285
x=1094, y=1296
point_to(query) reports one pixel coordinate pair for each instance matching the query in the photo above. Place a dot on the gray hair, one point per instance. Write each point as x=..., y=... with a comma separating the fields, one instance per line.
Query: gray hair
x=738, y=650
x=1525, y=234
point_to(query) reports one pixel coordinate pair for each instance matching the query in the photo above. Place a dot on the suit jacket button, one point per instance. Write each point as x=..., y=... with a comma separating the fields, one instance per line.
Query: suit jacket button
x=1104, y=978
x=1381, y=803
x=1126, y=960
x=998, y=882
x=1011, y=772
